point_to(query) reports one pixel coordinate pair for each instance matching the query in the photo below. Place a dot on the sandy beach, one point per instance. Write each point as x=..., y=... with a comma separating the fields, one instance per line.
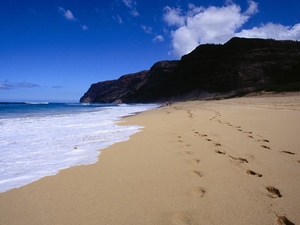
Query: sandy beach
x=234, y=161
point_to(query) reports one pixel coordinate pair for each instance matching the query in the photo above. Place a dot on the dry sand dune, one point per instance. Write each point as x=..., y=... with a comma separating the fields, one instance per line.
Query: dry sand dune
x=233, y=161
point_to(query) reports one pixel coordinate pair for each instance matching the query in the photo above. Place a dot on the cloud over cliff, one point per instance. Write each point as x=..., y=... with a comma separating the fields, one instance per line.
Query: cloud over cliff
x=200, y=25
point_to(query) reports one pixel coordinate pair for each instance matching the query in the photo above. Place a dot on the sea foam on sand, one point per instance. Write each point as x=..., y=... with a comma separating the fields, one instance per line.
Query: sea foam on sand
x=46, y=141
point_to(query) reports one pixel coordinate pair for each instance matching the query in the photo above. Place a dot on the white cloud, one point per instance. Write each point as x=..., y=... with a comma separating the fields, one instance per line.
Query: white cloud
x=84, y=27
x=158, y=38
x=146, y=29
x=205, y=25
x=200, y=25
x=7, y=85
x=58, y=86
x=215, y=24
x=128, y=3
x=118, y=18
x=70, y=17
x=132, y=6
x=253, y=8
x=184, y=41
x=134, y=12
x=271, y=30
x=173, y=17
x=67, y=14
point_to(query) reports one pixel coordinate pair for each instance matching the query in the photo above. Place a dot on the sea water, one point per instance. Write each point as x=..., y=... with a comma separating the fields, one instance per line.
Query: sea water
x=39, y=139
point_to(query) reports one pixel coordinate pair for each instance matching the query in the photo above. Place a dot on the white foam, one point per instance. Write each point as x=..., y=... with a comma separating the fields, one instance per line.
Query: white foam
x=37, y=103
x=34, y=147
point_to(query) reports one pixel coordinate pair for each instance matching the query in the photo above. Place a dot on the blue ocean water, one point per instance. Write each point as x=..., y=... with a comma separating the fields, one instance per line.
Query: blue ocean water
x=38, y=139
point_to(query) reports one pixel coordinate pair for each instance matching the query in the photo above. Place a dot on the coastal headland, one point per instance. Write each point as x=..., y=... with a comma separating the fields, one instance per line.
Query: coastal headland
x=233, y=161
x=238, y=67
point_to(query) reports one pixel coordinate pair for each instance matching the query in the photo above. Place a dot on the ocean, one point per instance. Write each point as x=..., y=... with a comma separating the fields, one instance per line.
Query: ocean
x=38, y=139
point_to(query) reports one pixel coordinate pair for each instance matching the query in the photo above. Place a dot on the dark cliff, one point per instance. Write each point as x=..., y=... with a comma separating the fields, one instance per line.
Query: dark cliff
x=115, y=90
x=238, y=65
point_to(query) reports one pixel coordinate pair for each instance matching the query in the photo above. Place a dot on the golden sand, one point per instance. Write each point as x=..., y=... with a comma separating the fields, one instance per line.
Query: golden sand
x=202, y=162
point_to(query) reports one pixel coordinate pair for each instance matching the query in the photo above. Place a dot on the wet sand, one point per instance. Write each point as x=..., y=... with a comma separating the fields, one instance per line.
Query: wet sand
x=233, y=161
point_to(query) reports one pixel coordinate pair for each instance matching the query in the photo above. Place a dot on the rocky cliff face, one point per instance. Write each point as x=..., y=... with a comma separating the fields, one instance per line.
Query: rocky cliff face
x=239, y=64
x=115, y=90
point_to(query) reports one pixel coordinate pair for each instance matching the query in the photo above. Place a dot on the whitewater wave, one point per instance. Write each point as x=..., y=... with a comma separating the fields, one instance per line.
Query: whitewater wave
x=37, y=103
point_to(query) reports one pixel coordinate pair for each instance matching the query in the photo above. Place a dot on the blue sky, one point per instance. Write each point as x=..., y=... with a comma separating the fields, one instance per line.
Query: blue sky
x=53, y=50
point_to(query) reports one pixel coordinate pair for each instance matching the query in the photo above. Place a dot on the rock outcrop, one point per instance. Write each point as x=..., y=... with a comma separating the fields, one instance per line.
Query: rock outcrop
x=115, y=90
x=237, y=66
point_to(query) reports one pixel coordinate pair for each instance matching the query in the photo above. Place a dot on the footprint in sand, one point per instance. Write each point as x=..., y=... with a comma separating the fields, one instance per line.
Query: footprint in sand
x=194, y=161
x=241, y=160
x=274, y=192
x=179, y=139
x=190, y=114
x=217, y=144
x=219, y=152
x=288, y=152
x=177, y=108
x=254, y=173
x=201, y=135
x=282, y=220
x=266, y=147
x=208, y=139
x=181, y=218
x=264, y=141
x=197, y=173
x=188, y=152
x=198, y=192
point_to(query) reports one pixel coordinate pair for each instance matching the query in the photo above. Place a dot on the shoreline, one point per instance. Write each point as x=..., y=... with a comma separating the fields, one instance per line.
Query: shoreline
x=40, y=141
x=193, y=162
